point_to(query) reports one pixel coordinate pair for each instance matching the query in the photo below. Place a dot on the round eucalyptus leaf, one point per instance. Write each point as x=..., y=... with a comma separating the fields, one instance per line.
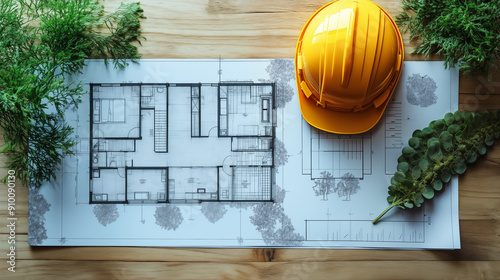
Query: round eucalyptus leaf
x=399, y=176
x=417, y=133
x=460, y=166
x=437, y=185
x=446, y=140
x=424, y=164
x=470, y=157
x=446, y=176
x=459, y=116
x=401, y=158
x=392, y=188
x=408, y=152
x=426, y=132
x=489, y=140
x=449, y=118
x=414, y=142
x=408, y=205
x=408, y=184
x=419, y=198
x=434, y=150
x=481, y=149
x=403, y=166
x=439, y=125
x=432, y=140
x=428, y=192
x=416, y=172
x=393, y=181
x=453, y=128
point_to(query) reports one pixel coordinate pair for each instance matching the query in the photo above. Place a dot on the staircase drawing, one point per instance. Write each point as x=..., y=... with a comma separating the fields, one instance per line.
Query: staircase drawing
x=161, y=131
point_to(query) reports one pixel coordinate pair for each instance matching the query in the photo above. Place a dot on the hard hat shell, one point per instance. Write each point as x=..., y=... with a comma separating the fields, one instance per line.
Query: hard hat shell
x=348, y=60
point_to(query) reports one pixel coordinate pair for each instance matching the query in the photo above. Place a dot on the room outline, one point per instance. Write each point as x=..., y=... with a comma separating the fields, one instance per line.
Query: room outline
x=181, y=142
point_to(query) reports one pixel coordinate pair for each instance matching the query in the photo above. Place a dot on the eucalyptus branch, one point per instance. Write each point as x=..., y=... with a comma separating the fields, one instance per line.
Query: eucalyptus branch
x=437, y=152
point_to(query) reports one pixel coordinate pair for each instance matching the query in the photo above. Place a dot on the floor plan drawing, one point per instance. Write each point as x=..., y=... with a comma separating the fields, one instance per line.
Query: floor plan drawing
x=141, y=133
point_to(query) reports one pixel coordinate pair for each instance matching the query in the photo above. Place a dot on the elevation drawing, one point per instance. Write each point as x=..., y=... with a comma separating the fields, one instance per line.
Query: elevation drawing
x=335, y=154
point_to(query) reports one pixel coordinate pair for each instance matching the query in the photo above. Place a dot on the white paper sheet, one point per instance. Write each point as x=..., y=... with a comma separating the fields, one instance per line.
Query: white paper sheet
x=215, y=153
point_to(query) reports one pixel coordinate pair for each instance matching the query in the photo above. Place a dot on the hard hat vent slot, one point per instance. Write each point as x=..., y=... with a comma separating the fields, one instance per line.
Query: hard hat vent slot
x=349, y=48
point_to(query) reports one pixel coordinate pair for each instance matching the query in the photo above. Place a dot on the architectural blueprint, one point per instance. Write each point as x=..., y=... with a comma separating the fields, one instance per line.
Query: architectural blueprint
x=215, y=153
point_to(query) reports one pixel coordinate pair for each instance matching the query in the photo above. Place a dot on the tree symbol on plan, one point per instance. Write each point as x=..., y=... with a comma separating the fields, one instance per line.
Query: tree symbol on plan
x=280, y=154
x=168, y=217
x=347, y=186
x=282, y=71
x=325, y=185
x=213, y=211
x=37, y=207
x=106, y=213
x=421, y=91
x=274, y=225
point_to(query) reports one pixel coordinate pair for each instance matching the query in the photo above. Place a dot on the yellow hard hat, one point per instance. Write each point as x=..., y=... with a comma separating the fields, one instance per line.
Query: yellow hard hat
x=348, y=61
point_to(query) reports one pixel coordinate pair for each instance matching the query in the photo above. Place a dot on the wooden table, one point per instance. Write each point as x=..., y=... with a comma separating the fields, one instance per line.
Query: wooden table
x=269, y=29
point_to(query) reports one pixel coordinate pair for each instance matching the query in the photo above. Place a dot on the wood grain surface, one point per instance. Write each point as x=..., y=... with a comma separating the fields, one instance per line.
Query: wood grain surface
x=269, y=29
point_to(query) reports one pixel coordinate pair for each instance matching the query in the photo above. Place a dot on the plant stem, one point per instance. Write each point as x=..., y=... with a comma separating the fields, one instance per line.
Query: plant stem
x=385, y=211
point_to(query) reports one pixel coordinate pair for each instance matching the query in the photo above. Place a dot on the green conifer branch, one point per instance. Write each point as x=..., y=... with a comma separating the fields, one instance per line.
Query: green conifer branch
x=41, y=41
x=465, y=33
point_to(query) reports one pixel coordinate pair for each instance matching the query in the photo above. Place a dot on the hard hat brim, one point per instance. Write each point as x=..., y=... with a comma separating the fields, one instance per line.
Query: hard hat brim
x=340, y=122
